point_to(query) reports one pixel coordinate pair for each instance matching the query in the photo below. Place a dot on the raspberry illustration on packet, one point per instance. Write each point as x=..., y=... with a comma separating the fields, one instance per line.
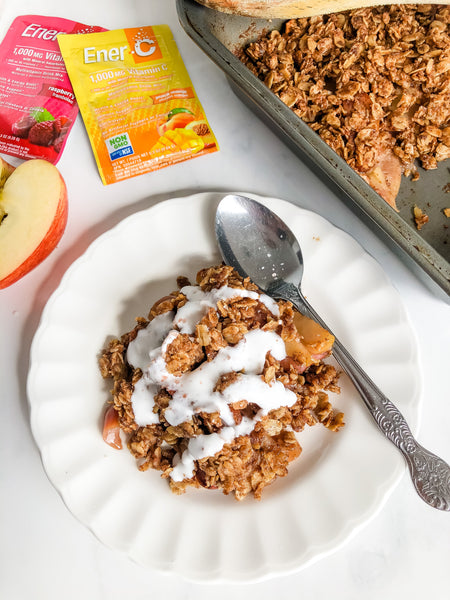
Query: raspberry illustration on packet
x=40, y=127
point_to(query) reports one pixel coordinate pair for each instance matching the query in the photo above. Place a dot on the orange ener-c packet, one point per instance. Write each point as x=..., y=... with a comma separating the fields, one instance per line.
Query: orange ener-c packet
x=137, y=100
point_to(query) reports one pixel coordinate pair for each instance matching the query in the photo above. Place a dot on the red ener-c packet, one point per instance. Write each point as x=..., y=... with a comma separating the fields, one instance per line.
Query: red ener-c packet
x=37, y=103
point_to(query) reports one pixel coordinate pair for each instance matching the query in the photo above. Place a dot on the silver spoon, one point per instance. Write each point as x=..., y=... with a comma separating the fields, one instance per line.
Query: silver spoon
x=259, y=245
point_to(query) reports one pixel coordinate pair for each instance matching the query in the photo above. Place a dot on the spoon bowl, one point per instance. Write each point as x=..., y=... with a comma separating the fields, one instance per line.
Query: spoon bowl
x=268, y=250
x=259, y=245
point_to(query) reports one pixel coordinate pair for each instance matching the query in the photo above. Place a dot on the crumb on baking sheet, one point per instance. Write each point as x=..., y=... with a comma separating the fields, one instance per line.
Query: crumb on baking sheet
x=420, y=218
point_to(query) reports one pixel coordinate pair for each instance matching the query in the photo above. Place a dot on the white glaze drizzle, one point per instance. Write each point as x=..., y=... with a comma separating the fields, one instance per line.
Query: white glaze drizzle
x=199, y=302
x=193, y=392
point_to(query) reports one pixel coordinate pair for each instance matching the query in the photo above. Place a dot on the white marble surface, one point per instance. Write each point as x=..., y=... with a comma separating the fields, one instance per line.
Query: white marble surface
x=45, y=554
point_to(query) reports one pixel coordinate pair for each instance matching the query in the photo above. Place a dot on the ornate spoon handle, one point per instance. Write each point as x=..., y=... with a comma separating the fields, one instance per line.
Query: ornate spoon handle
x=429, y=473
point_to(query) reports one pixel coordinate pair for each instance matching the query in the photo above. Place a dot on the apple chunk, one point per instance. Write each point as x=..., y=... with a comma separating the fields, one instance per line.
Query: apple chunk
x=313, y=343
x=33, y=216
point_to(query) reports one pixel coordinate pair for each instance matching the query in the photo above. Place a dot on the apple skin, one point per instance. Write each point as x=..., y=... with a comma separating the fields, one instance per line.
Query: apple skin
x=55, y=231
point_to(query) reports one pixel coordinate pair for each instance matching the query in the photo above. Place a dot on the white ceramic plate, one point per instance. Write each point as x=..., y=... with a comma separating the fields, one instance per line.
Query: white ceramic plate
x=339, y=482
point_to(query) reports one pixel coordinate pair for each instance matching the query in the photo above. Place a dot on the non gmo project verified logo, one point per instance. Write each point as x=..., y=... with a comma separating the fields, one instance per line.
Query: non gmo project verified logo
x=119, y=146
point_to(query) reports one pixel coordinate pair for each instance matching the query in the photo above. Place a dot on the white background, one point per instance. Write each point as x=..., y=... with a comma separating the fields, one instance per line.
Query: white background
x=45, y=553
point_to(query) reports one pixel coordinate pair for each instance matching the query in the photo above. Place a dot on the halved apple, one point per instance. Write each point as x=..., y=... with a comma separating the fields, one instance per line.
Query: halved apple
x=33, y=217
x=5, y=171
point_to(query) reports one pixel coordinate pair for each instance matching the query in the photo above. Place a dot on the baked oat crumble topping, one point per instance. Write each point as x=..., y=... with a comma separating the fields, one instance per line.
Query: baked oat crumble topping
x=374, y=83
x=212, y=387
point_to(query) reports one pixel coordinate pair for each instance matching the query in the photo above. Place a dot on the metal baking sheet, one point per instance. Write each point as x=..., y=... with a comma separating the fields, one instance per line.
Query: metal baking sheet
x=427, y=252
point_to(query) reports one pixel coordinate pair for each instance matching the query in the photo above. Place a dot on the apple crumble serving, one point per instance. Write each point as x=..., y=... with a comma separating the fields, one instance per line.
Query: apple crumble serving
x=372, y=82
x=212, y=386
